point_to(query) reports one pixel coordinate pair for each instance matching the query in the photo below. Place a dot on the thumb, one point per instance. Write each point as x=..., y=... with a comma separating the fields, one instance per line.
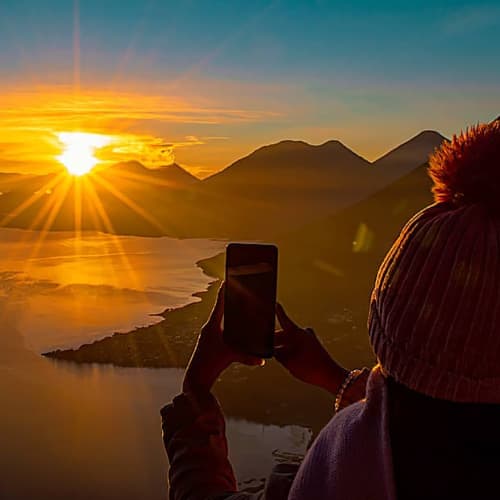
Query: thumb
x=285, y=322
x=282, y=338
x=218, y=310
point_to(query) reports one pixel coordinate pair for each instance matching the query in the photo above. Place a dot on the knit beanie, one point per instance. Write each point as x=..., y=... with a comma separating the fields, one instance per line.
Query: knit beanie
x=434, y=319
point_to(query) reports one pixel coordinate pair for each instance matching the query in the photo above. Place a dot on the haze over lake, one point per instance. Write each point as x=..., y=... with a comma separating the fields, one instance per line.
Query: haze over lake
x=73, y=290
x=93, y=431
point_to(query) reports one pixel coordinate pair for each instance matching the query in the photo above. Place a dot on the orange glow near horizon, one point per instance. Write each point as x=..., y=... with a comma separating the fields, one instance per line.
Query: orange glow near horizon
x=146, y=123
x=79, y=150
x=77, y=188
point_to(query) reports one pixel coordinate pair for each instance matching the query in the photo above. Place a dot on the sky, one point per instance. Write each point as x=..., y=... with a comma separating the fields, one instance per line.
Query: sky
x=204, y=83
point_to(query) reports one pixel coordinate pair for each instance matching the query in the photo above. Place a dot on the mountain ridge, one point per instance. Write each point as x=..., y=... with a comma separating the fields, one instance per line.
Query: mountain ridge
x=288, y=147
x=276, y=188
x=409, y=155
x=173, y=171
x=276, y=146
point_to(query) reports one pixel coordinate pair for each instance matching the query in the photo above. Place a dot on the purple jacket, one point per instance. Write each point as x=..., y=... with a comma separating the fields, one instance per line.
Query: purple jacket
x=350, y=459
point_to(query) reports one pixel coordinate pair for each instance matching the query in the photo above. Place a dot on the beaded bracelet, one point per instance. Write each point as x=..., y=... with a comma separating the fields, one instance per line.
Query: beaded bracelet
x=351, y=377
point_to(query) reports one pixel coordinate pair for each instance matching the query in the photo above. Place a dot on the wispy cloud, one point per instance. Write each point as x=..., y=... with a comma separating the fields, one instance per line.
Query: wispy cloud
x=148, y=149
x=56, y=107
x=30, y=119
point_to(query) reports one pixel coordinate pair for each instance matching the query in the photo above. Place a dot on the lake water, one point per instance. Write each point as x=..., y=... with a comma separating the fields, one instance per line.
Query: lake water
x=81, y=432
x=75, y=290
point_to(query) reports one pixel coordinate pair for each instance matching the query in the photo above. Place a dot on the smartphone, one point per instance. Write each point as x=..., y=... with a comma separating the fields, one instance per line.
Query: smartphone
x=250, y=298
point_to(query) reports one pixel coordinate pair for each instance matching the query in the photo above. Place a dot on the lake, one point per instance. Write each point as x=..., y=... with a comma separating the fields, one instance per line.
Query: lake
x=89, y=431
x=75, y=290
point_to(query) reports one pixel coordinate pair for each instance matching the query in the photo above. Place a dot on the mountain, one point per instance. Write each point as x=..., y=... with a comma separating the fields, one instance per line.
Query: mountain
x=294, y=166
x=173, y=175
x=273, y=190
x=125, y=198
x=288, y=155
x=338, y=257
x=280, y=186
x=324, y=282
x=367, y=227
x=408, y=155
x=287, y=184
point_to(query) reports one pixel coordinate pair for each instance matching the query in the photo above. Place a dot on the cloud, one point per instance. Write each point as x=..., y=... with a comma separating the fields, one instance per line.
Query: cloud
x=57, y=107
x=30, y=119
x=147, y=149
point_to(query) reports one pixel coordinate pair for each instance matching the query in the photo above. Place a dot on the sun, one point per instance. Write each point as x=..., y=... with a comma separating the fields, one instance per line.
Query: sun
x=78, y=155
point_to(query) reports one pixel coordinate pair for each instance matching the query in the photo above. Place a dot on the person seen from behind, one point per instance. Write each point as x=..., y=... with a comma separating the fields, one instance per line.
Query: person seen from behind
x=424, y=422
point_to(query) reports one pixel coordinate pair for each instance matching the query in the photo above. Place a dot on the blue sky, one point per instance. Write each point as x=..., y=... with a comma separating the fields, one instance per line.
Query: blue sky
x=368, y=73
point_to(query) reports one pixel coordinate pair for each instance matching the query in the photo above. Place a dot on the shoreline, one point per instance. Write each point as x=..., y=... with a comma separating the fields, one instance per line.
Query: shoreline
x=151, y=350
x=267, y=395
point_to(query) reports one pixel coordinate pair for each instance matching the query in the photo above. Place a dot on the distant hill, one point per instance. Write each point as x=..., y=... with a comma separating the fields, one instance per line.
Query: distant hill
x=295, y=163
x=125, y=198
x=337, y=257
x=282, y=185
x=294, y=169
x=326, y=273
x=275, y=189
x=379, y=214
x=285, y=185
x=328, y=267
x=170, y=176
x=409, y=155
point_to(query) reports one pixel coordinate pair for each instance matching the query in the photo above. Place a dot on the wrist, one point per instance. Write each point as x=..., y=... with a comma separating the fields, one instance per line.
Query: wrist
x=353, y=388
x=333, y=376
x=200, y=377
x=197, y=383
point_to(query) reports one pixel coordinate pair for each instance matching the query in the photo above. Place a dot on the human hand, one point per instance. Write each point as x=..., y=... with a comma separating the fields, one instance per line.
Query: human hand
x=211, y=355
x=302, y=354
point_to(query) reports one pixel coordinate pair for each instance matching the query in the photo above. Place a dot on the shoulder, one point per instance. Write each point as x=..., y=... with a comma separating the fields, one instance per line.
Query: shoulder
x=351, y=457
x=332, y=458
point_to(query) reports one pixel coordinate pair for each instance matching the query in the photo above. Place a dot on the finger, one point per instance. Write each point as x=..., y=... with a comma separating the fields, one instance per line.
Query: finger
x=285, y=322
x=282, y=338
x=218, y=310
x=279, y=337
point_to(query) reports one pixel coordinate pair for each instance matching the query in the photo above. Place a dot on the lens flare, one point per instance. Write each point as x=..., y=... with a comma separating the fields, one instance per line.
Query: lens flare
x=78, y=155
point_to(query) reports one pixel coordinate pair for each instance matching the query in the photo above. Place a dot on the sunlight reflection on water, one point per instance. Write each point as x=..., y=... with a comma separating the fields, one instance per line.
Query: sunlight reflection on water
x=73, y=291
x=93, y=431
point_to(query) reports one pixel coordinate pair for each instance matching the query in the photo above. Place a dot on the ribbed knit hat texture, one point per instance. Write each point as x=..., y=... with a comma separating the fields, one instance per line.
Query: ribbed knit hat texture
x=434, y=318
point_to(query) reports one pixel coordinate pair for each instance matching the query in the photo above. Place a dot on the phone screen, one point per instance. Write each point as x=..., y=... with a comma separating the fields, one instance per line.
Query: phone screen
x=250, y=298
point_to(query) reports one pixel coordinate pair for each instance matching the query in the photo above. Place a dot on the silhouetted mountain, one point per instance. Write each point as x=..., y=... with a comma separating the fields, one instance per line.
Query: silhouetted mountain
x=168, y=175
x=175, y=173
x=296, y=165
x=408, y=156
x=125, y=198
x=281, y=186
x=367, y=227
x=292, y=182
x=271, y=191
x=324, y=280
x=338, y=257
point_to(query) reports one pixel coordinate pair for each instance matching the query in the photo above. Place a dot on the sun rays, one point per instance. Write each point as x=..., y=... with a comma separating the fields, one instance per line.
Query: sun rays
x=62, y=191
x=78, y=155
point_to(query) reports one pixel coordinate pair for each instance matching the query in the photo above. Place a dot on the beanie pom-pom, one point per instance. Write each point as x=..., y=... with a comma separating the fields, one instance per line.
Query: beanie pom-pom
x=467, y=168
